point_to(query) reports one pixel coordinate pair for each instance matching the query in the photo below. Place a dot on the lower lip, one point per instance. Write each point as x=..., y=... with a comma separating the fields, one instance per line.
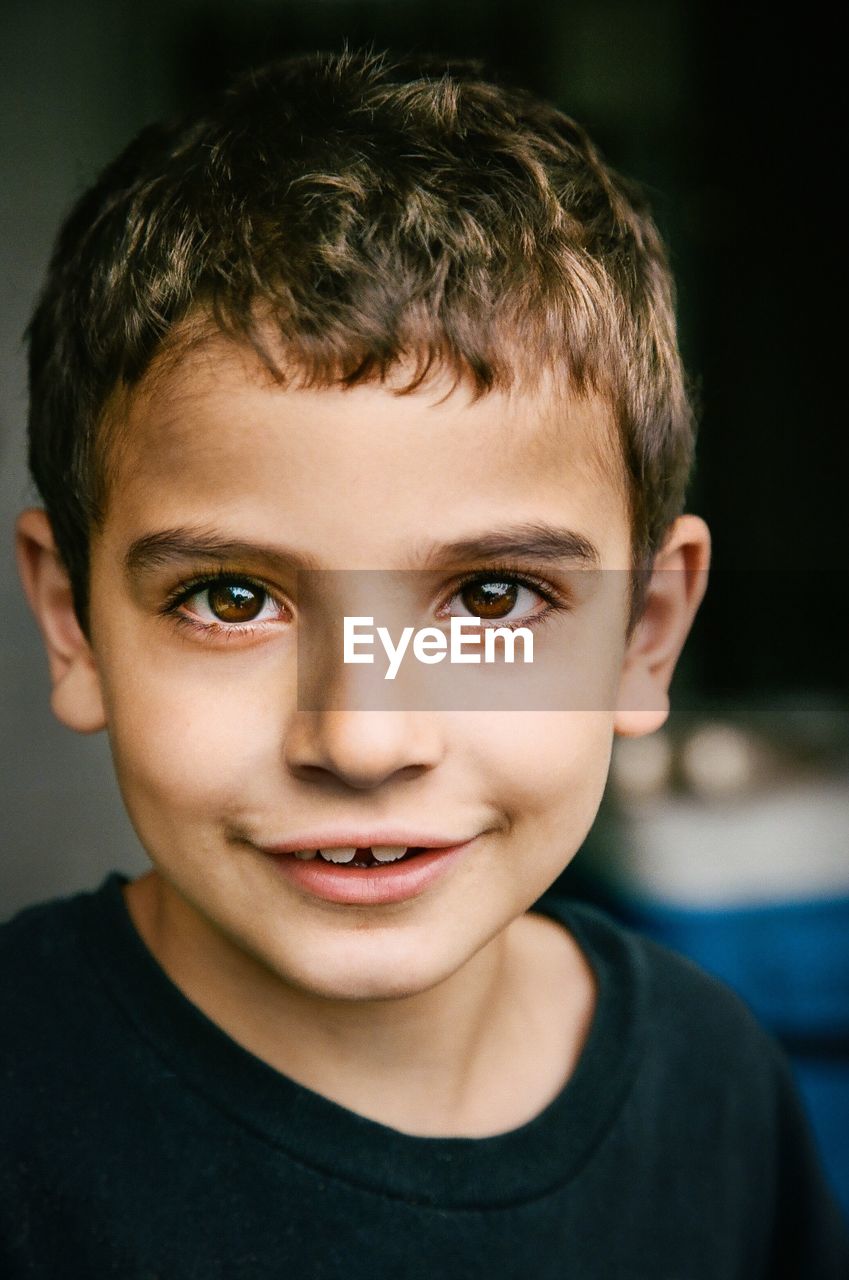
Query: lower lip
x=369, y=886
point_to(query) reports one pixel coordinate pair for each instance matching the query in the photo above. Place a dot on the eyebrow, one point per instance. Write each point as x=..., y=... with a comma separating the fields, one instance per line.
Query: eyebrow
x=534, y=540
x=171, y=546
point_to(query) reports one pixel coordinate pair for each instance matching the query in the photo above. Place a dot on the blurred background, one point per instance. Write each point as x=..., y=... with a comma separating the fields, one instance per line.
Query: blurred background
x=726, y=835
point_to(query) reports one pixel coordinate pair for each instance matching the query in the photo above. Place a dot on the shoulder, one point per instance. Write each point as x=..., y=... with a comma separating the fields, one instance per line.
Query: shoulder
x=698, y=1049
x=49, y=991
x=669, y=992
x=35, y=946
x=713, y=1097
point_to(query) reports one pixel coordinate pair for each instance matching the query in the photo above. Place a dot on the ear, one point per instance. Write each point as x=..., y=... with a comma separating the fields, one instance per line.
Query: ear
x=77, y=697
x=674, y=593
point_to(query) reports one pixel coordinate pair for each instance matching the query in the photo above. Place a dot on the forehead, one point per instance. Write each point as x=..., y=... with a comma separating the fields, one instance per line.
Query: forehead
x=209, y=430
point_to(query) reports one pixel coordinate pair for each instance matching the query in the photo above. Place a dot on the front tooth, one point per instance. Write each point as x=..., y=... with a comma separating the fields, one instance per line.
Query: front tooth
x=339, y=854
x=304, y=854
x=389, y=852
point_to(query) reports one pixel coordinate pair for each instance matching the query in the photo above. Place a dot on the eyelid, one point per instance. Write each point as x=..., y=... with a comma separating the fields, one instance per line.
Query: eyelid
x=211, y=630
x=197, y=583
x=556, y=600
x=525, y=578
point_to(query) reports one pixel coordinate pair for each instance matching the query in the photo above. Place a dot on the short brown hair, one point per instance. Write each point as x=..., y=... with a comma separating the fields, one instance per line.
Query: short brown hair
x=380, y=213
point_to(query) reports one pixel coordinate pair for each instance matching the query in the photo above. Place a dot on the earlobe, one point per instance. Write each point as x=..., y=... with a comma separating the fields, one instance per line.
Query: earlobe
x=675, y=591
x=77, y=699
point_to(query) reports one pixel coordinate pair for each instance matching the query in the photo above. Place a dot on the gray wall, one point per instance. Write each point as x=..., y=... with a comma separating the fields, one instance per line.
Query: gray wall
x=75, y=82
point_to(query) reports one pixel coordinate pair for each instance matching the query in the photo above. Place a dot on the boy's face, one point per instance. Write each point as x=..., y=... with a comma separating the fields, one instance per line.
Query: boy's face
x=216, y=762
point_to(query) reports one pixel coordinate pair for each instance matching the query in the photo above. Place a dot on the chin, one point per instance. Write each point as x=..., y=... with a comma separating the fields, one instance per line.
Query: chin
x=362, y=982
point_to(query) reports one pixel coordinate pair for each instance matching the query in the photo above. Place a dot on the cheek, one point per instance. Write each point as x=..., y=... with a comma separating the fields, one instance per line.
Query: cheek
x=184, y=746
x=552, y=767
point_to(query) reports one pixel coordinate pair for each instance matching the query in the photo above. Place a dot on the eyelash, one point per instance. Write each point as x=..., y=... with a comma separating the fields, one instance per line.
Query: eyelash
x=555, y=601
x=212, y=630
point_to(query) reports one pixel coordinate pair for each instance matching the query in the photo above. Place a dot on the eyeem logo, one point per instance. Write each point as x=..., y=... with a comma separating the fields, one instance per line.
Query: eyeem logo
x=430, y=644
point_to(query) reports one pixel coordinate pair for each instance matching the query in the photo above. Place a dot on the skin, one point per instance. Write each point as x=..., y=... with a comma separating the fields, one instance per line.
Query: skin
x=457, y=1012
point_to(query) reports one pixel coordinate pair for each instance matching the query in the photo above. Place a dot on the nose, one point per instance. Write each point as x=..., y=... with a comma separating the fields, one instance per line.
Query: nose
x=362, y=748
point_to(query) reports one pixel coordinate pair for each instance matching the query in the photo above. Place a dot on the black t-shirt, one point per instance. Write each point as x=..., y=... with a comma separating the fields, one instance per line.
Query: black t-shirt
x=138, y=1140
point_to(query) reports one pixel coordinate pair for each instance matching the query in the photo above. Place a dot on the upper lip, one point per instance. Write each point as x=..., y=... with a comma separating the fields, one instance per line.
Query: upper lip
x=367, y=839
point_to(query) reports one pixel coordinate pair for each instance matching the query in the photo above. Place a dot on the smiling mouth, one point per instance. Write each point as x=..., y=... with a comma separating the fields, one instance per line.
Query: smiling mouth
x=388, y=855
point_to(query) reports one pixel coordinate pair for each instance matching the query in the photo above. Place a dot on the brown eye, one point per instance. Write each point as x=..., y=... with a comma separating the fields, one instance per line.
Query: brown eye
x=487, y=598
x=235, y=601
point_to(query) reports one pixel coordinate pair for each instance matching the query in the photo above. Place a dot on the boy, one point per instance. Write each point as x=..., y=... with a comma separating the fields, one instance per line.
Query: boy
x=365, y=317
